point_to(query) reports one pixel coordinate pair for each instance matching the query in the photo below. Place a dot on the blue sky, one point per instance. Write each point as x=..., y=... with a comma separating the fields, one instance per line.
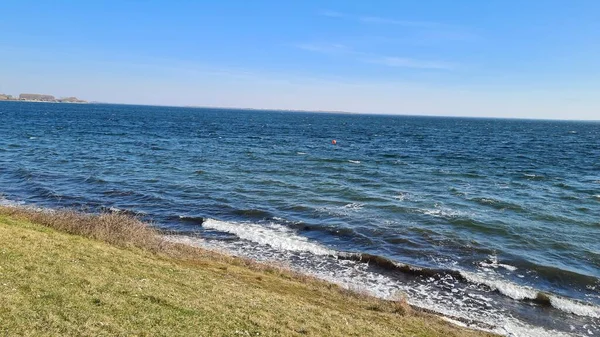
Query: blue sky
x=531, y=59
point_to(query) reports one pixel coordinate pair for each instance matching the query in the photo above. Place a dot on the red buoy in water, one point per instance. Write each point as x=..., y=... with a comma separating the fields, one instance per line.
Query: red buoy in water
x=333, y=142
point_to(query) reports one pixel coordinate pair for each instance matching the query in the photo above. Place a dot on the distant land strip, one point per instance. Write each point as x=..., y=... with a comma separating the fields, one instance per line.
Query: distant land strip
x=40, y=98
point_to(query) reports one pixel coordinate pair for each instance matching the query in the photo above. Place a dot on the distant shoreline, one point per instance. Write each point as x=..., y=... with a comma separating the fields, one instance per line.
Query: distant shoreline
x=40, y=98
x=32, y=101
x=315, y=111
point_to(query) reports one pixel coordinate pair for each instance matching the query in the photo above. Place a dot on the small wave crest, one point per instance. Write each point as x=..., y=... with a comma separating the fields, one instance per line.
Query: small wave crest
x=505, y=288
x=354, y=206
x=442, y=213
x=492, y=262
x=115, y=210
x=498, y=204
x=94, y=180
x=252, y=213
x=272, y=235
x=528, y=294
x=535, y=177
x=196, y=220
x=579, y=309
x=343, y=210
x=402, y=196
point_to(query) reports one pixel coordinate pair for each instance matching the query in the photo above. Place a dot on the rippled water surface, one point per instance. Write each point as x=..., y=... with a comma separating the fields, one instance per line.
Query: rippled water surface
x=493, y=222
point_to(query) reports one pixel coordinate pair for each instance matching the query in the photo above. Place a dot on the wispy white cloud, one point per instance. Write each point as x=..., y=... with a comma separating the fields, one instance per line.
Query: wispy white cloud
x=419, y=33
x=390, y=61
x=379, y=20
x=424, y=31
x=406, y=23
x=403, y=62
x=328, y=48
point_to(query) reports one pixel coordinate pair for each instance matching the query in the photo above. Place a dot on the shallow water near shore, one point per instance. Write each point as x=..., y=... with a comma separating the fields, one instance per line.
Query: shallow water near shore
x=492, y=222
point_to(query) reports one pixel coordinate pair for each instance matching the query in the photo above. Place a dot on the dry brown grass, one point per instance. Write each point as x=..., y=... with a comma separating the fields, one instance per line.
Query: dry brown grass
x=117, y=229
x=124, y=230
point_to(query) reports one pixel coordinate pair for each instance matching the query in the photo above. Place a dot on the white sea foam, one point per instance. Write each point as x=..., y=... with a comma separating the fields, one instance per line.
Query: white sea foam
x=11, y=203
x=7, y=203
x=504, y=287
x=494, y=264
x=518, y=292
x=579, y=309
x=402, y=196
x=353, y=206
x=341, y=210
x=354, y=161
x=507, y=267
x=513, y=328
x=442, y=213
x=531, y=176
x=274, y=235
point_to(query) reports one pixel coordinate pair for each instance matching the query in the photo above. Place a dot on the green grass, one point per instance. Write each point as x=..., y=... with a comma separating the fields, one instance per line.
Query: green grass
x=60, y=284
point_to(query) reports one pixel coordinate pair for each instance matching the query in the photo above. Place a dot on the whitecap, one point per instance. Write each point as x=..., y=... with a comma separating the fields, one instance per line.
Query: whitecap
x=275, y=236
x=402, y=196
x=493, y=263
x=504, y=287
x=341, y=210
x=507, y=267
x=442, y=213
x=518, y=292
x=354, y=161
x=579, y=309
x=354, y=206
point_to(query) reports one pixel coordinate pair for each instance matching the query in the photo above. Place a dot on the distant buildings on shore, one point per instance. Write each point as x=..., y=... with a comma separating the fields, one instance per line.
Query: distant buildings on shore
x=40, y=98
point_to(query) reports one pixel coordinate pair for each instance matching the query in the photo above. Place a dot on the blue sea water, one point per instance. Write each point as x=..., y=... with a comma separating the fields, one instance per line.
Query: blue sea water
x=493, y=222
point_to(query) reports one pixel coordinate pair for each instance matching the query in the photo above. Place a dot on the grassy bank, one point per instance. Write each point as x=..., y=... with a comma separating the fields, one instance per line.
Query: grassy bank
x=65, y=273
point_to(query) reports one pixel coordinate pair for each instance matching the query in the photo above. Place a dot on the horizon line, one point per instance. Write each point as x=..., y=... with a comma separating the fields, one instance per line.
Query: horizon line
x=341, y=112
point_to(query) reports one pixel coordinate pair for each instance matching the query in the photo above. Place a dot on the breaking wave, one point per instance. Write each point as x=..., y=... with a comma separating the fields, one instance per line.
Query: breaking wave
x=274, y=235
x=282, y=238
